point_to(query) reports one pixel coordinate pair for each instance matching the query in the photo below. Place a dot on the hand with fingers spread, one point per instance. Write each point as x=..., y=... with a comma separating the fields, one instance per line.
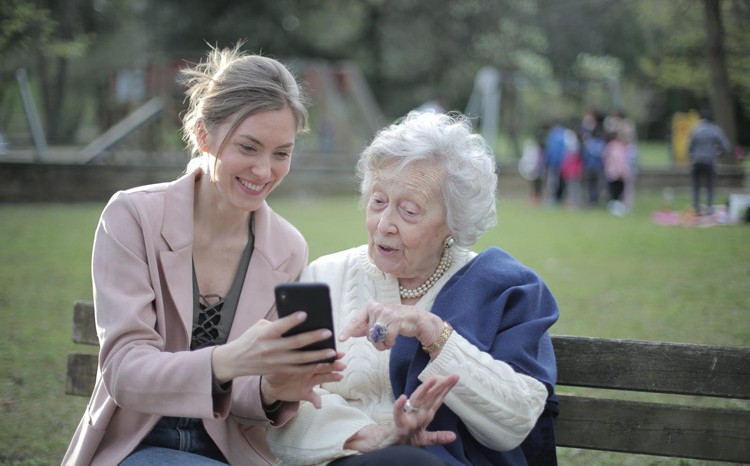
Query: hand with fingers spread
x=411, y=417
x=288, y=374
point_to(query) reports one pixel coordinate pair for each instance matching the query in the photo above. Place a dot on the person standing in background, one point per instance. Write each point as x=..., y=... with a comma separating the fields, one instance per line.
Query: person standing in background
x=531, y=165
x=591, y=133
x=593, y=148
x=616, y=172
x=624, y=128
x=554, y=154
x=707, y=142
x=572, y=169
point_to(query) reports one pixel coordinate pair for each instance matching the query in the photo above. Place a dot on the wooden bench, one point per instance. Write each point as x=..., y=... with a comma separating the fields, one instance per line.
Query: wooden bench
x=81, y=372
x=603, y=419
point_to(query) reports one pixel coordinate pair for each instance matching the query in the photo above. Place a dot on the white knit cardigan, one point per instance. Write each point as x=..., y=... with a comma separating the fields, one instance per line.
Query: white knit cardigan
x=499, y=417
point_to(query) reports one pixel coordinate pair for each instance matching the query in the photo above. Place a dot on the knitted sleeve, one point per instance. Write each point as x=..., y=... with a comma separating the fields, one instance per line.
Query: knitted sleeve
x=498, y=405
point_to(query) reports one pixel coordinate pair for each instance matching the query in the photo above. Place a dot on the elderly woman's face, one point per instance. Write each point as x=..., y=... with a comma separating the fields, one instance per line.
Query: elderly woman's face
x=406, y=222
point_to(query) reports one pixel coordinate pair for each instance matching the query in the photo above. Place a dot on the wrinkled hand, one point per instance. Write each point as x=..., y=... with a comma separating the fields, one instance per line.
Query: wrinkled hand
x=410, y=428
x=401, y=319
x=289, y=374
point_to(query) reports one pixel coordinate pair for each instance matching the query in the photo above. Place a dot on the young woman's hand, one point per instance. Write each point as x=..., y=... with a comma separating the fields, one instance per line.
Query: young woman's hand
x=296, y=386
x=261, y=350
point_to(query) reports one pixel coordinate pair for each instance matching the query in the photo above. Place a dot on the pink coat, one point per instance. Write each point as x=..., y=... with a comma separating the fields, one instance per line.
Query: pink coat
x=143, y=291
x=616, y=161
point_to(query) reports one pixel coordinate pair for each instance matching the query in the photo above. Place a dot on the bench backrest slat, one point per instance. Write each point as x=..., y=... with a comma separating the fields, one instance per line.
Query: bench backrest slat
x=653, y=366
x=654, y=429
x=81, y=374
x=84, y=325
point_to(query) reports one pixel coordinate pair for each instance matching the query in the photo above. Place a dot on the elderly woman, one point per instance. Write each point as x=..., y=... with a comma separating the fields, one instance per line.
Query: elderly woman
x=462, y=335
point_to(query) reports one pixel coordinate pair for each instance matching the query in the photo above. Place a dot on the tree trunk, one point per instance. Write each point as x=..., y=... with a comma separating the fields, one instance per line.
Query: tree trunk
x=720, y=92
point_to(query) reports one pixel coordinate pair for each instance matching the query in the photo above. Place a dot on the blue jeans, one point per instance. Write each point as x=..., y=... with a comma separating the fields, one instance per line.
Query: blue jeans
x=398, y=455
x=177, y=440
x=703, y=175
x=158, y=456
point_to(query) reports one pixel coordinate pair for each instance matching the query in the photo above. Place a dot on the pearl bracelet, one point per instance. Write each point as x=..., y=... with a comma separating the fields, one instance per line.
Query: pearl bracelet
x=447, y=330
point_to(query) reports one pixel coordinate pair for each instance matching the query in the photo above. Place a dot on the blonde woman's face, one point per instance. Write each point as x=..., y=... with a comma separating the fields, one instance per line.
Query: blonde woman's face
x=254, y=158
x=405, y=222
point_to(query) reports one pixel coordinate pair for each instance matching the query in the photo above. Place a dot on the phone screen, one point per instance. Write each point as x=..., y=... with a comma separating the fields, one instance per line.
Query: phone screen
x=315, y=300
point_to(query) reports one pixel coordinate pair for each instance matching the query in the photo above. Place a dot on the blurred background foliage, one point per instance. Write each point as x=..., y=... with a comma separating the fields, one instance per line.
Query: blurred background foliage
x=555, y=58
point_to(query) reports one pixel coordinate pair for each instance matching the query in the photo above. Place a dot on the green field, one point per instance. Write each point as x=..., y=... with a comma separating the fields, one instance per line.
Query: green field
x=613, y=277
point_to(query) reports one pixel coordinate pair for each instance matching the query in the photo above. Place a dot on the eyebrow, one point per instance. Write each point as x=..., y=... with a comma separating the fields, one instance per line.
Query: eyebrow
x=258, y=142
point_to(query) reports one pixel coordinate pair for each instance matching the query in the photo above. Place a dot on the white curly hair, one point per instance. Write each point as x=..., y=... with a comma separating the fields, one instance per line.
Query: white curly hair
x=447, y=140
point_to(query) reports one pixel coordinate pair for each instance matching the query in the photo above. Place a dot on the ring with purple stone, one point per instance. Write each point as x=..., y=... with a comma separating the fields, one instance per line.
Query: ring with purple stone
x=377, y=333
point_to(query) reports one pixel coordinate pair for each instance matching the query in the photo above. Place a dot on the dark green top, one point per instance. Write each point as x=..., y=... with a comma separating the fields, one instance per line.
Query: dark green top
x=213, y=314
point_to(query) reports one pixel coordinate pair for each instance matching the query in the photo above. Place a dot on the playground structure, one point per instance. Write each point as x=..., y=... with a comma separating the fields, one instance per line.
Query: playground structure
x=99, y=147
x=344, y=115
x=485, y=102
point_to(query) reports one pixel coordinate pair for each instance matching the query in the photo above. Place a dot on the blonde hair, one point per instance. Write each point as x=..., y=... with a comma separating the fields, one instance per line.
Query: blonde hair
x=230, y=83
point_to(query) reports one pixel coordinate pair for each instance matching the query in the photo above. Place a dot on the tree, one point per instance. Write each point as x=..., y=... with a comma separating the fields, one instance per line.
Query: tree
x=555, y=57
x=684, y=59
x=512, y=41
x=44, y=36
x=720, y=93
x=19, y=23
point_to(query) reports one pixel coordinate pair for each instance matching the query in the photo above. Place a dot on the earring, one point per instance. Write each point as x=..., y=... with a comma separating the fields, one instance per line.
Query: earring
x=449, y=242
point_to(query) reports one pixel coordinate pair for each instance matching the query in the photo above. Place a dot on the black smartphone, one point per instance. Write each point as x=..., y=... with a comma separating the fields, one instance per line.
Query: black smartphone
x=315, y=300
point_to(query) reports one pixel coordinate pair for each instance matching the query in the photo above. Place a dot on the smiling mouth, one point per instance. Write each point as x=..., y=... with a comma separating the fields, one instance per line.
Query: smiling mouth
x=251, y=186
x=386, y=248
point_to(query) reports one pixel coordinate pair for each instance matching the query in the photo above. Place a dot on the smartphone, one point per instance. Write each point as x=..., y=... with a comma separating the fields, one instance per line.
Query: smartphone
x=315, y=300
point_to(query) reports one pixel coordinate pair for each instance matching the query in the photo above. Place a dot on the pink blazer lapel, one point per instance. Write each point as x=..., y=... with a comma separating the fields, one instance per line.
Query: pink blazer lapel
x=177, y=231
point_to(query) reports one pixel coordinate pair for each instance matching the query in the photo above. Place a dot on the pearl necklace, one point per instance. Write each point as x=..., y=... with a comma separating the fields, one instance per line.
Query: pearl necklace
x=421, y=290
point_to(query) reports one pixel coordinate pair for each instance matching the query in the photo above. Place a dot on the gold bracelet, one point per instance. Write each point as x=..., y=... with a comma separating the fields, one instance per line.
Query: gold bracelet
x=447, y=330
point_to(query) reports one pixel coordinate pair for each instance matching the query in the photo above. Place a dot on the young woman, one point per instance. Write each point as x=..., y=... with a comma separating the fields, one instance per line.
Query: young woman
x=191, y=368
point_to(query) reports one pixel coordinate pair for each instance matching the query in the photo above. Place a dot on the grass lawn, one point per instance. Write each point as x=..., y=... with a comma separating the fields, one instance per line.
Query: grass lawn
x=613, y=277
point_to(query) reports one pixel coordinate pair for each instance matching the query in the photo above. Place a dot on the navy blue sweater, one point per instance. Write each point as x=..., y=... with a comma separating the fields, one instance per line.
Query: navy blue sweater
x=505, y=309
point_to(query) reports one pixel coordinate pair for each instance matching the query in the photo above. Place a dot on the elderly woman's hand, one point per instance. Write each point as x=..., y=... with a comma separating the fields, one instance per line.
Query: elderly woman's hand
x=412, y=415
x=410, y=420
x=382, y=323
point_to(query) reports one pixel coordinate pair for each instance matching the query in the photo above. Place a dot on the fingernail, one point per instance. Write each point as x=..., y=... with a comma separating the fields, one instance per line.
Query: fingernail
x=326, y=333
x=301, y=315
